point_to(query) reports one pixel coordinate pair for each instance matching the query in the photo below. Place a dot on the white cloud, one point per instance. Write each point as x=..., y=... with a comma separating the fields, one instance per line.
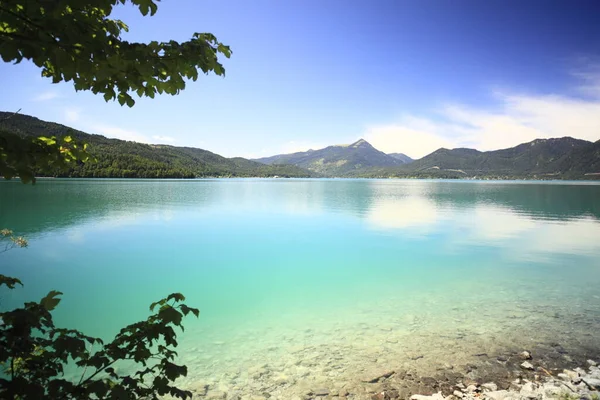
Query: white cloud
x=519, y=118
x=45, y=96
x=119, y=133
x=72, y=114
x=407, y=136
x=589, y=74
x=163, y=139
x=131, y=135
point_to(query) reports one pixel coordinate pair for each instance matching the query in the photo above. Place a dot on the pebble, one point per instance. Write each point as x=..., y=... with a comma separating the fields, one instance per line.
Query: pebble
x=377, y=376
x=527, y=365
x=525, y=355
x=471, y=389
x=593, y=382
x=491, y=387
x=436, y=396
x=571, y=374
x=216, y=395
x=287, y=379
x=321, y=392
x=529, y=391
x=564, y=377
x=498, y=395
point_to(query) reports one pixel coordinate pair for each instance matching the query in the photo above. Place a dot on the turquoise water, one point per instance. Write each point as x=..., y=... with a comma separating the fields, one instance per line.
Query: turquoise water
x=353, y=273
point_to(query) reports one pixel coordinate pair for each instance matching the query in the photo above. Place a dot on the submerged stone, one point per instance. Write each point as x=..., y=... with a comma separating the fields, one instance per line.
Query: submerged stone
x=320, y=392
x=491, y=387
x=497, y=395
x=527, y=365
x=525, y=355
x=377, y=376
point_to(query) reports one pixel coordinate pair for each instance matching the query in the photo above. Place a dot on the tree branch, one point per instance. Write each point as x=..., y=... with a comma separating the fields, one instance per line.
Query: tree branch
x=26, y=20
x=96, y=373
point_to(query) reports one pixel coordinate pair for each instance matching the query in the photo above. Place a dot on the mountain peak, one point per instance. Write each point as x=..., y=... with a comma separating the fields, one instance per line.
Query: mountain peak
x=360, y=143
x=401, y=157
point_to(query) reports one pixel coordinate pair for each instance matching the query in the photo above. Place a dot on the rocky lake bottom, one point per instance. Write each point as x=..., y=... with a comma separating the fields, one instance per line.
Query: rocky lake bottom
x=400, y=354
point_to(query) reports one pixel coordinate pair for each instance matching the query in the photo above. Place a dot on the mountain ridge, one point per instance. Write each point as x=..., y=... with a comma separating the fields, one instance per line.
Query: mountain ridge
x=402, y=157
x=126, y=159
x=554, y=158
x=560, y=158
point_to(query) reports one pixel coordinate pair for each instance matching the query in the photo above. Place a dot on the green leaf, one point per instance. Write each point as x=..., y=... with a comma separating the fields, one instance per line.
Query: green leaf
x=9, y=282
x=174, y=371
x=158, y=303
x=51, y=300
x=48, y=140
x=176, y=297
x=170, y=315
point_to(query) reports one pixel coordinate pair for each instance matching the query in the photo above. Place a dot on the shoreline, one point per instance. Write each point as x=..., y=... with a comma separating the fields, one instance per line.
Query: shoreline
x=329, y=178
x=507, y=375
x=519, y=377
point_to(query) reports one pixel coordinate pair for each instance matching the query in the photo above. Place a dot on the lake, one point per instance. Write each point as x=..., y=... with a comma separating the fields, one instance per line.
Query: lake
x=309, y=283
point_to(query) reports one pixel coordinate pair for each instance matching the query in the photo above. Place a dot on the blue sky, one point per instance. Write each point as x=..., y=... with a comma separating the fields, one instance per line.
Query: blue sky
x=408, y=76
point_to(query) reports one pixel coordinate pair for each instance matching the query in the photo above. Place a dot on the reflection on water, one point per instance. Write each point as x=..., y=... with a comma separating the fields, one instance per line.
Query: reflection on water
x=484, y=213
x=517, y=234
x=376, y=272
x=53, y=204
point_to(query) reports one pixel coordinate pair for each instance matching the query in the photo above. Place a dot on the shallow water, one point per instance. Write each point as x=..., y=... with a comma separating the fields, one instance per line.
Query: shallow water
x=316, y=281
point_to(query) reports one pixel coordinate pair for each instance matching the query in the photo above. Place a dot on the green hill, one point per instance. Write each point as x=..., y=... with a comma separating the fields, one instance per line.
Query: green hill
x=124, y=159
x=561, y=158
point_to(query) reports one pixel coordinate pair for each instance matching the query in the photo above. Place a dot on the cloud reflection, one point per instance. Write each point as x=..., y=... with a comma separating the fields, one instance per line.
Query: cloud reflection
x=408, y=212
x=524, y=235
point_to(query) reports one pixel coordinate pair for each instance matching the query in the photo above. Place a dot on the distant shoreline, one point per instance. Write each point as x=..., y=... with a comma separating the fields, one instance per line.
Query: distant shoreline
x=328, y=178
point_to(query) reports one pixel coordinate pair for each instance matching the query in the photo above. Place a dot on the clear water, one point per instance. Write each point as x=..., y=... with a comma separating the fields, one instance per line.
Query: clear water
x=351, y=274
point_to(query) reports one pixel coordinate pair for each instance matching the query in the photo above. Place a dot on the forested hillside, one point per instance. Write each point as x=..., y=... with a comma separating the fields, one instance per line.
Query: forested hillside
x=124, y=159
x=560, y=158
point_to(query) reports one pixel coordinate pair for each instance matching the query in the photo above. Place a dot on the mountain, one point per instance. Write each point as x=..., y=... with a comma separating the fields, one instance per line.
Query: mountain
x=339, y=160
x=124, y=159
x=584, y=160
x=537, y=157
x=560, y=158
x=402, y=157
